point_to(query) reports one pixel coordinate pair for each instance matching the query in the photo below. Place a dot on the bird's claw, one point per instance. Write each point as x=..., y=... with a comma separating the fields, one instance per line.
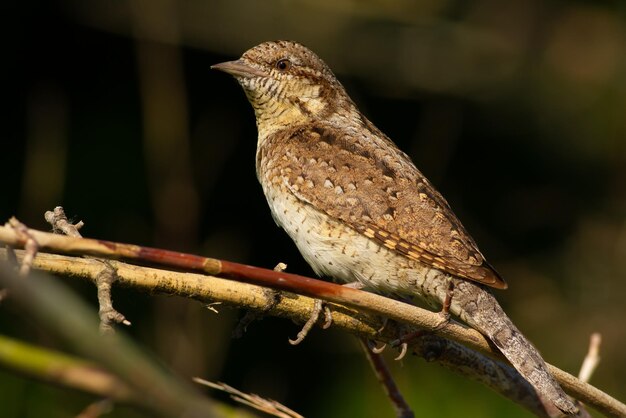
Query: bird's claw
x=403, y=350
x=318, y=307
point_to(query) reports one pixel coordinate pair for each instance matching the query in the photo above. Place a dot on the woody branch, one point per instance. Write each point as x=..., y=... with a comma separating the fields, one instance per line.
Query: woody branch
x=210, y=288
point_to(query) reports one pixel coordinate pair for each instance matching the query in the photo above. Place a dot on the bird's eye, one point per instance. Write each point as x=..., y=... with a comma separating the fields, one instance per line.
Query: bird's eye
x=283, y=64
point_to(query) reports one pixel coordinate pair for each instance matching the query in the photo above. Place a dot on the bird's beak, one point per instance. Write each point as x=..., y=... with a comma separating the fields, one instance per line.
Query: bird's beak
x=238, y=68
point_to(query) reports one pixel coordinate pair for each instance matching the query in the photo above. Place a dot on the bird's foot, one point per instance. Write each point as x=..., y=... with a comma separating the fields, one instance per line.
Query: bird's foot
x=403, y=342
x=372, y=344
x=318, y=307
x=273, y=297
x=444, y=313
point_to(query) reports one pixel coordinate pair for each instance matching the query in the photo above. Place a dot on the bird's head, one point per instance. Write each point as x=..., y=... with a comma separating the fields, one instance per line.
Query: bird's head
x=285, y=82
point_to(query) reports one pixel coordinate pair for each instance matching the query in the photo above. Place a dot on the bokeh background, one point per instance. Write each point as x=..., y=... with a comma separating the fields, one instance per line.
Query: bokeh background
x=515, y=110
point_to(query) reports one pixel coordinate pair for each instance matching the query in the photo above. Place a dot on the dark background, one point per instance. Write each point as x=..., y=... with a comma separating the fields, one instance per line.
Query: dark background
x=514, y=110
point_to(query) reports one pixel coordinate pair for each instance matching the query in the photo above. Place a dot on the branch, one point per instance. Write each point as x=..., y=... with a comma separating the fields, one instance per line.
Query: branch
x=209, y=289
x=352, y=298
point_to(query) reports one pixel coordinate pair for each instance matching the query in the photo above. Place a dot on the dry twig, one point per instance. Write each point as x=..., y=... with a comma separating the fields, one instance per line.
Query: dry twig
x=61, y=225
x=108, y=314
x=29, y=243
x=592, y=359
x=253, y=400
x=104, y=281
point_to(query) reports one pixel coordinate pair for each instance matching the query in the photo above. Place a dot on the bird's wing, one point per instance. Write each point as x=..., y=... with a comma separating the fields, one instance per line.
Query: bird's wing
x=364, y=180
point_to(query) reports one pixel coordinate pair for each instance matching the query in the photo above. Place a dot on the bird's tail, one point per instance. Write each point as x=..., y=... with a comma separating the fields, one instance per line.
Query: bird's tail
x=478, y=308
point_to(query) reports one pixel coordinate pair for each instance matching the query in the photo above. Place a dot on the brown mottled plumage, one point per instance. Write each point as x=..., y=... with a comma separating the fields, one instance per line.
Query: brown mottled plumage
x=357, y=207
x=381, y=194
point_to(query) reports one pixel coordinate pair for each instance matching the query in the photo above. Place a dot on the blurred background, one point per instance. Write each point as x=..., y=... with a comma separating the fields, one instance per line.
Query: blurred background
x=514, y=110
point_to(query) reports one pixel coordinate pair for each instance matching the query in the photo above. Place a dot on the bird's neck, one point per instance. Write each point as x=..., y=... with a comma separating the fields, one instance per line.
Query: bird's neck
x=273, y=116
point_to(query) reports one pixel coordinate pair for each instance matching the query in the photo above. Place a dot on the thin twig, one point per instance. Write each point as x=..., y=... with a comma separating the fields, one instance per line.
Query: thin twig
x=592, y=358
x=29, y=244
x=403, y=410
x=108, y=314
x=61, y=225
x=255, y=401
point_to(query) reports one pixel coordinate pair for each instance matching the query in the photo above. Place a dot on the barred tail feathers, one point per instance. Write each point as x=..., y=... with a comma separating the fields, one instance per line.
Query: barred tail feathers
x=478, y=307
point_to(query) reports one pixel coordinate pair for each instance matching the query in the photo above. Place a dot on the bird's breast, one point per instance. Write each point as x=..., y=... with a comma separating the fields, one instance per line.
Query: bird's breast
x=334, y=249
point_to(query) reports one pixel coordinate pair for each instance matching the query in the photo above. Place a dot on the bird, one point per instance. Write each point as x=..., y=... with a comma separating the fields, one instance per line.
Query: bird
x=359, y=210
